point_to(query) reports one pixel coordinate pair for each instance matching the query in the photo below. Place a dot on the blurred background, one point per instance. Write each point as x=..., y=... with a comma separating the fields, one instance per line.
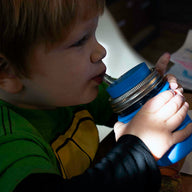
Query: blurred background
x=152, y=27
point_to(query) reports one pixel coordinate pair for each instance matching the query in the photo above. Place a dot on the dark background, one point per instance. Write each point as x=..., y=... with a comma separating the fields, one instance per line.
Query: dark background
x=153, y=27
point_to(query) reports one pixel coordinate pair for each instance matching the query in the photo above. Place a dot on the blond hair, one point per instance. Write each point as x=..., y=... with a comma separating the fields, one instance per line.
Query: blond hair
x=25, y=23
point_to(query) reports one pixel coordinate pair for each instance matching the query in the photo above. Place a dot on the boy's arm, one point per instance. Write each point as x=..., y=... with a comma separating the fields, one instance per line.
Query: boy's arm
x=129, y=165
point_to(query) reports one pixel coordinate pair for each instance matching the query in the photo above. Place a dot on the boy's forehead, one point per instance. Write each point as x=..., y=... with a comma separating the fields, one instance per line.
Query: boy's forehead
x=87, y=9
x=82, y=11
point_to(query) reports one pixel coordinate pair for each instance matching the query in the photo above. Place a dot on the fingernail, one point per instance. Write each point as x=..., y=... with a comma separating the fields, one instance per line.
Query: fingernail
x=173, y=92
x=178, y=92
x=173, y=85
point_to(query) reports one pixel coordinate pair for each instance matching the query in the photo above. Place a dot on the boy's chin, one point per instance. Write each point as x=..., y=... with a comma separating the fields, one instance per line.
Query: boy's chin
x=91, y=97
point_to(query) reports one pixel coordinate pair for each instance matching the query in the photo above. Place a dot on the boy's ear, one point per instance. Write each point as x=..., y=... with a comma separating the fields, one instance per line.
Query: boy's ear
x=9, y=82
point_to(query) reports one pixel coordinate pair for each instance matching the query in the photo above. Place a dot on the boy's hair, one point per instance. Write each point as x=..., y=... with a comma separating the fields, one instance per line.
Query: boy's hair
x=25, y=23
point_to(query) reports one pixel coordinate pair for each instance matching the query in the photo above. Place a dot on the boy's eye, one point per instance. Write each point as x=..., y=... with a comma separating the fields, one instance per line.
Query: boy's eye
x=80, y=42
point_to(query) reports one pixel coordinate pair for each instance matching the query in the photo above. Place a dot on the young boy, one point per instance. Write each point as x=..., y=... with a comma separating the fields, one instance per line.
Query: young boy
x=52, y=95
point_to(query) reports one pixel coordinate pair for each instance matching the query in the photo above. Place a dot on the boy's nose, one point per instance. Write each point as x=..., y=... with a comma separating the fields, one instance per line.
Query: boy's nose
x=98, y=54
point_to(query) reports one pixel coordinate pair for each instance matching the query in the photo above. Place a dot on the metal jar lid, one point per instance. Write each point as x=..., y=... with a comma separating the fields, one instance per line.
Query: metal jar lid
x=132, y=96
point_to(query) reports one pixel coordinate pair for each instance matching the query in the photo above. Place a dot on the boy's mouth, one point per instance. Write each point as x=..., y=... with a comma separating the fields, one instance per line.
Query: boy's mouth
x=99, y=78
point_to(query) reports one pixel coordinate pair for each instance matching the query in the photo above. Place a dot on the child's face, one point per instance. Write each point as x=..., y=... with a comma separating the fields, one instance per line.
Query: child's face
x=70, y=72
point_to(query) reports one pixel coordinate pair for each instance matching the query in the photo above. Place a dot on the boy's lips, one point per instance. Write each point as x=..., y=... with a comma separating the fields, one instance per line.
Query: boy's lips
x=99, y=78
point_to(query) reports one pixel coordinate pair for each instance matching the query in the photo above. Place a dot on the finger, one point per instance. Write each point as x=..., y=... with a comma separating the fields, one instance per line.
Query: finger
x=172, y=81
x=172, y=107
x=173, y=84
x=158, y=102
x=179, y=117
x=181, y=135
x=162, y=63
x=179, y=90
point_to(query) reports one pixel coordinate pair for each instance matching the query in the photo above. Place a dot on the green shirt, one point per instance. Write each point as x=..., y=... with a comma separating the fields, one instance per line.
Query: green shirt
x=27, y=137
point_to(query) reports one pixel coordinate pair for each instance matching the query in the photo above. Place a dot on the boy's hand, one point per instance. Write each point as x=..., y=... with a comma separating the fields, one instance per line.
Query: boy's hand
x=155, y=122
x=159, y=117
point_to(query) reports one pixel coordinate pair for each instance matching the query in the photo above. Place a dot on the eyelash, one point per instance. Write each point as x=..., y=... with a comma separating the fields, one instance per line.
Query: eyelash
x=81, y=42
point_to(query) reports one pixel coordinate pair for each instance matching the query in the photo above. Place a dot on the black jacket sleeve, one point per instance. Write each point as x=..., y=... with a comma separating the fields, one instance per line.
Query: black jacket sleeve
x=129, y=166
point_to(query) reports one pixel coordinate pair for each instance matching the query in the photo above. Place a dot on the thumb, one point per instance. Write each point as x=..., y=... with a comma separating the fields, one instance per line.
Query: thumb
x=162, y=63
x=120, y=129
